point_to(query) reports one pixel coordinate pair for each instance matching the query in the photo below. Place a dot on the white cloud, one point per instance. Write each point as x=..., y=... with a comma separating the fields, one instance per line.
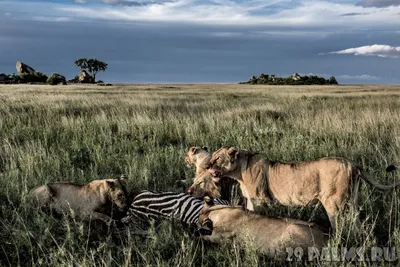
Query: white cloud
x=311, y=13
x=372, y=50
x=307, y=16
x=48, y=18
x=362, y=77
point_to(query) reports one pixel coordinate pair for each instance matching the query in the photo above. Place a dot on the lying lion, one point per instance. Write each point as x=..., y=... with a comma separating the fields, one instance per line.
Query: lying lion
x=329, y=180
x=204, y=182
x=270, y=235
x=95, y=199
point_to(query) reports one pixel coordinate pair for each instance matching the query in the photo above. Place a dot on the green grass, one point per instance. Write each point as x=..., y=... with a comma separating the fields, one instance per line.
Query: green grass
x=82, y=133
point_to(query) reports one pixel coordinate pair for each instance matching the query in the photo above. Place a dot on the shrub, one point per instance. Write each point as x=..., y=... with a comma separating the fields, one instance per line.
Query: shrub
x=74, y=80
x=56, y=78
x=295, y=79
x=35, y=77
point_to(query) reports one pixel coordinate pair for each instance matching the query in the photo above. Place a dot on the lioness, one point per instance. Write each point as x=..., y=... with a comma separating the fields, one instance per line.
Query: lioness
x=199, y=157
x=270, y=235
x=329, y=180
x=95, y=199
x=204, y=183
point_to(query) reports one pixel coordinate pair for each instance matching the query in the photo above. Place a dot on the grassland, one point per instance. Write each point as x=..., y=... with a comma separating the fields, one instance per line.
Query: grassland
x=80, y=133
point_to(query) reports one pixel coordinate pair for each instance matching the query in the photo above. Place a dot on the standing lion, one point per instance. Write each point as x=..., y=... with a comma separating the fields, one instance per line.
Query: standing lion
x=332, y=181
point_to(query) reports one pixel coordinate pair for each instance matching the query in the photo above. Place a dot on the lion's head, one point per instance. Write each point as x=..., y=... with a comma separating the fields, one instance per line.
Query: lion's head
x=205, y=184
x=197, y=156
x=116, y=189
x=223, y=161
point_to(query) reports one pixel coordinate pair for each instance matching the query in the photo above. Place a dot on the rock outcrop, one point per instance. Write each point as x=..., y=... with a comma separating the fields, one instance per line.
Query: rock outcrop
x=84, y=77
x=23, y=68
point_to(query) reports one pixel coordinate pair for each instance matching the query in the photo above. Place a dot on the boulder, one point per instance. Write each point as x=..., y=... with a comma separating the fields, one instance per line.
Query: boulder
x=84, y=77
x=23, y=68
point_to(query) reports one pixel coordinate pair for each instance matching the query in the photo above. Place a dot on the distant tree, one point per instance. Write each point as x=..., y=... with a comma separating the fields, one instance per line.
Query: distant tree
x=91, y=66
x=56, y=78
x=332, y=80
x=295, y=79
x=34, y=77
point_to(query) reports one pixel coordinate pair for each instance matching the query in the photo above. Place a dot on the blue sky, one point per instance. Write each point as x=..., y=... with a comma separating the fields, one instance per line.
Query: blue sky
x=185, y=41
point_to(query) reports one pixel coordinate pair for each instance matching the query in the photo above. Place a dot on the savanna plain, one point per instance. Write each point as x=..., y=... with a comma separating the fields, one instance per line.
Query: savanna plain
x=80, y=133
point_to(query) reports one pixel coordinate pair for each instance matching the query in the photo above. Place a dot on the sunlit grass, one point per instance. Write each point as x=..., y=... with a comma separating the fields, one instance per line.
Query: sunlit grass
x=81, y=133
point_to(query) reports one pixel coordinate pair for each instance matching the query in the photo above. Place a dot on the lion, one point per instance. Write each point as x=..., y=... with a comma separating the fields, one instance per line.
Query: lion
x=95, y=199
x=204, y=182
x=330, y=180
x=269, y=235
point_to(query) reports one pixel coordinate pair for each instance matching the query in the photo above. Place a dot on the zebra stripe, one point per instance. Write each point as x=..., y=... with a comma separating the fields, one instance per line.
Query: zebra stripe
x=181, y=206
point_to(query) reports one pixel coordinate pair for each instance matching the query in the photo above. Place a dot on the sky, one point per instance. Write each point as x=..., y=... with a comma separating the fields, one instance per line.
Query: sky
x=205, y=41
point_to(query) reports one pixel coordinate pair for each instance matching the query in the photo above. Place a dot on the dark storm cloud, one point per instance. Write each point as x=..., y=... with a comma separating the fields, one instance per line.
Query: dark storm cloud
x=150, y=52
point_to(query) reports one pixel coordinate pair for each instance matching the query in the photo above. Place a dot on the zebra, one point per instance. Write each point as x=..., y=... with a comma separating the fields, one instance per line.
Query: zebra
x=182, y=206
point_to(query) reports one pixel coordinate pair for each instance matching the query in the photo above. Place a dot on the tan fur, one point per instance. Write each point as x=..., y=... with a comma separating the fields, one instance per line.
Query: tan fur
x=203, y=183
x=199, y=157
x=270, y=235
x=329, y=180
x=95, y=199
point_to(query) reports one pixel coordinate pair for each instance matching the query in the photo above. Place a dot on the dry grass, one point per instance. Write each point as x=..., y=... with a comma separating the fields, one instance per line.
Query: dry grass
x=80, y=133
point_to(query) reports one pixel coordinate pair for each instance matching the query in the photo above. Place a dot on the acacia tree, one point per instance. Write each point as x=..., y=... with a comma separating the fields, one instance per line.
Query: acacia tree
x=91, y=66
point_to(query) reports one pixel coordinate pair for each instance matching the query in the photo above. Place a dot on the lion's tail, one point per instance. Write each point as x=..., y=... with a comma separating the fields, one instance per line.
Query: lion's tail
x=367, y=177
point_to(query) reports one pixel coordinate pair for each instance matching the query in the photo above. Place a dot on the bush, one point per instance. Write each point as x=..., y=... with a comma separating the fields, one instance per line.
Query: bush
x=295, y=79
x=74, y=80
x=56, y=78
x=35, y=77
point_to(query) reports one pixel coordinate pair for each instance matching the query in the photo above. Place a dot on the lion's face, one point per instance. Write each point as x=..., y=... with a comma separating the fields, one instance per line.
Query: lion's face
x=223, y=161
x=196, y=155
x=117, y=192
x=205, y=184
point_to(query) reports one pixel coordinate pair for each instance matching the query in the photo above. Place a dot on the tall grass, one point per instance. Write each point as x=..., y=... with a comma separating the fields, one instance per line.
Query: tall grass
x=81, y=133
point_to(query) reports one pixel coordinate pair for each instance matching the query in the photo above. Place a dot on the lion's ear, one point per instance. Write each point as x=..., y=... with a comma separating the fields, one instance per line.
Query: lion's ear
x=233, y=152
x=205, y=148
x=195, y=150
x=207, y=225
x=111, y=185
x=123, y=183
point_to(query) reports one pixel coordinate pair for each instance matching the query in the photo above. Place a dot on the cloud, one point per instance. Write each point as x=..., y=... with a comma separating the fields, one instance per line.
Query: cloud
x=123, y=2
x=51, y=19
x=362, y=77
x=289, y=17
x=354, y=14
x=272, y=13
x=378, y=3
x=372, y=50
